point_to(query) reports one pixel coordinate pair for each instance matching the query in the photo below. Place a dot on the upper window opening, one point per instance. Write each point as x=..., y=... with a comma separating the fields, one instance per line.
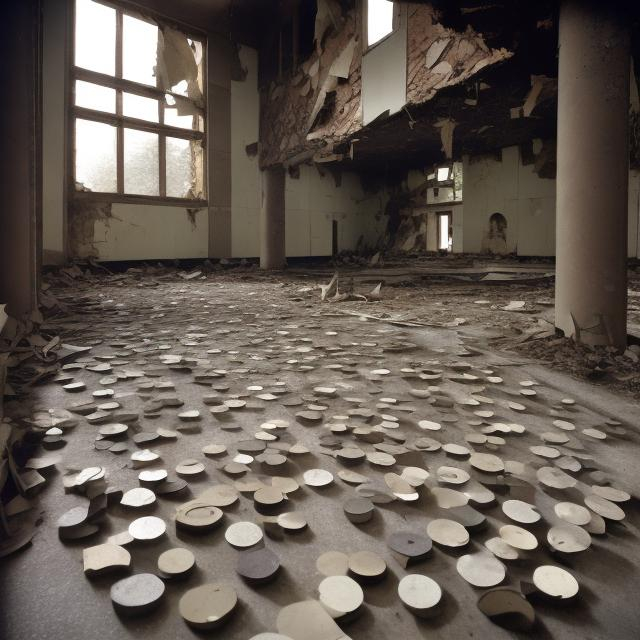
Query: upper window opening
x=443, y=174
x=379, y=20
x=138, y=105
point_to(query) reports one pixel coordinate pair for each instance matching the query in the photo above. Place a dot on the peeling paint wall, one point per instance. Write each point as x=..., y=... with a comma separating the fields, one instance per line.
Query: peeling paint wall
x=318, y=106
x=528, y=203
x=440, y=57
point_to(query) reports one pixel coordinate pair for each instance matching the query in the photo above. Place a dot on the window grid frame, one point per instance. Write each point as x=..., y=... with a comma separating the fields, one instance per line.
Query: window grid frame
x=120, y=121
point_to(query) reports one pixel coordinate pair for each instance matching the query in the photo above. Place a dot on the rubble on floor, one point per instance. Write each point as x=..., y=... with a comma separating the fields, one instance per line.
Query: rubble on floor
x=233, y=413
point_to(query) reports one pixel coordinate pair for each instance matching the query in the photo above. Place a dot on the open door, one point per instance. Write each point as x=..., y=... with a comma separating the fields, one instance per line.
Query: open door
x=445, y=231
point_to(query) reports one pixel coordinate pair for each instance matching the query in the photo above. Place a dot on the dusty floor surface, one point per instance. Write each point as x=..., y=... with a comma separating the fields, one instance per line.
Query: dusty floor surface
x=273, y=332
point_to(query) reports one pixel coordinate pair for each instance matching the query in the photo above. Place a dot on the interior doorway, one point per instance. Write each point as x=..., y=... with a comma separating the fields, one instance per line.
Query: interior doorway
x=445, y=231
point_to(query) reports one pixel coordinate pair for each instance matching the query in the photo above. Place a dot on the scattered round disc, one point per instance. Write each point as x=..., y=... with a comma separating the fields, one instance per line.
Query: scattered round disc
x=170, y=486
x=208, y=606
x=507, y=607
x=176, y=563
x=243, y=535
x=268, y=497
x=340, y=596
x=415, y=476
x=292, y=521
x=139, y=497
x=367, y=565
x=147, y=528
x=447, y=533
x=258, y=566
x=214, y=449
x=410, y=545
x=352, y=477
x=420, y=594
x=518, y=537
x=380, y=459
x=555, y=478
x=569, y=538
x=554, y=437
x=452, y=475
x=137, y=594
x=113, y=429
x=545, y=452
x=189, y=468
x=105, y=558
x=197, y=516
x=449, y=498
x=270, y=636
x=359, y=510
x=565, y=425
x=427, y=444
x=284, y=484
x=486, y=462
x=596, y=434
x=456, y=450
x=333, y=563
x=610, y=493
x=603, y=507
x=222, y=495
x=317, y=477
x=501, y=549
x=555, y=582
x=152, y=476
x=520, y=511
x=481, y=569
x=429, y=425
x=572, y=513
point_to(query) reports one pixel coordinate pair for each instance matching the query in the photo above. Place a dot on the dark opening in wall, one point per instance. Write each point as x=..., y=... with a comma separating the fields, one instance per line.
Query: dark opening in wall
x=498, y=226
x=495, y=239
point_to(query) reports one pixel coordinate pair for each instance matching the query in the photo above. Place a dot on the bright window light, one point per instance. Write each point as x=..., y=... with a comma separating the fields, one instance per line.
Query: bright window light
x=379, y=20
x=95, y=37
x=443, y=174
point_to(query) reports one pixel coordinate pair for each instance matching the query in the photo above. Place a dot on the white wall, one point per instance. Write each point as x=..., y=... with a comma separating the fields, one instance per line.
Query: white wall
x=384, y=72
x=245, y=174
x=527, y=201
x=144, y=232
x=313, y=201
x=514, y=190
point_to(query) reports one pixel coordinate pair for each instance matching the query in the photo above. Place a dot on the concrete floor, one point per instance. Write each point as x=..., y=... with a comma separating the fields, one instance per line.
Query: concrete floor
x=45, y=595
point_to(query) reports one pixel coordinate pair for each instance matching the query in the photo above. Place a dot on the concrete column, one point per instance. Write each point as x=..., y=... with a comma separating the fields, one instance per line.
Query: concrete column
x=592, y=173
x=20, y=147
x=272, y=247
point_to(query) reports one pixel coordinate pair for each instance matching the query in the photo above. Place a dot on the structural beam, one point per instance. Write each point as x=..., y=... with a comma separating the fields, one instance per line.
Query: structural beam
x=592, y=173
x=272, y=219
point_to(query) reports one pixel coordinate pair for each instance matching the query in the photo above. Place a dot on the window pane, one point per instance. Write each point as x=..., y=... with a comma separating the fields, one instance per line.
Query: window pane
x=379, y=20
x=172, y=118
x=94, y=96
x=139, y=50
x=96, y=156
x=141, y=162
x=139, y=107
x=95, y=46
x=180, y=168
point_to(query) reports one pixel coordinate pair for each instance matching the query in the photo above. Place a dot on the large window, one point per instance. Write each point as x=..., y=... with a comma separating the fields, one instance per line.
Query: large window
x=380, y=16
x=138, y=106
